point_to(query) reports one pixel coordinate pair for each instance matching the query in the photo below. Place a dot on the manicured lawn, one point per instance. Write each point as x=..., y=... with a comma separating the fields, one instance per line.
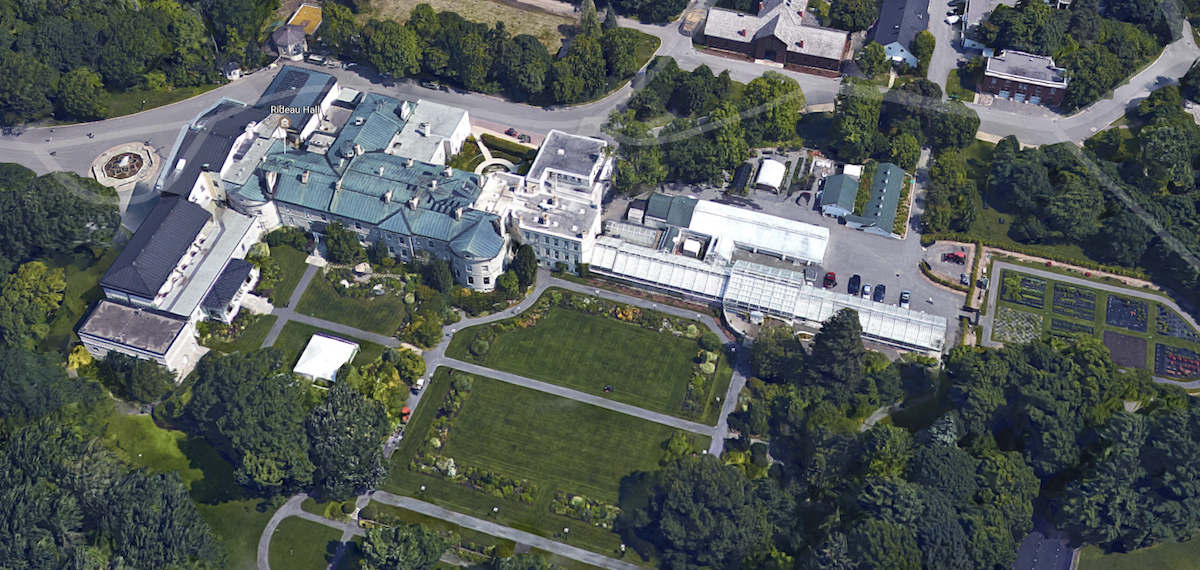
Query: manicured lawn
x=82, y=274
x=468, y=535
x=954, y=88
x=130, y=102
x=646, y=368
x=250, y=339
x=302, y=544
x=383, y=314
x=238, y=522
x=555, y=443
x=1173, y=556
x=291, y=262
x=294, y=337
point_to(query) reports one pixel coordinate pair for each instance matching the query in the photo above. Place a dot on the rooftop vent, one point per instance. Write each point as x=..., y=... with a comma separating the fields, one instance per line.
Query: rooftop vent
x=358, y=150
x=381, y=171
x=337, y=185
x=408, y=163
x=433, y=184
x=387, y=197
x=561, y=152
x=179, y=165
x=358, y=121
x=423, y=129
x=412, y=203
x=304, y=177
x=458, y=213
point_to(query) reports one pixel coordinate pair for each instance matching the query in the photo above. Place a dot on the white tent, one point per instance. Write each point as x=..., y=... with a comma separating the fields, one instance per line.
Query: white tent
x=323, y=356
x=771, y=175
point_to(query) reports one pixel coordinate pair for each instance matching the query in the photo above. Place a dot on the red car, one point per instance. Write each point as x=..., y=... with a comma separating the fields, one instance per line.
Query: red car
x=830, y=280
x=511, y=132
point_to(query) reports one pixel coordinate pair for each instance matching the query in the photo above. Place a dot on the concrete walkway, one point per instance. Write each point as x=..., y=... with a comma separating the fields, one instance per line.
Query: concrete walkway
x=285, y=313
x=988, y=320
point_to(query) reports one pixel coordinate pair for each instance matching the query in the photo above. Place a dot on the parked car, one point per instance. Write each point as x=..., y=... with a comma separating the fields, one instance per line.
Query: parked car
x=905, y=297
x=511, y=132
x=963, y=279
x=830, y=280
x=955, y=257
x=524, y=138
x=953, y=20
x=444, y=87
x=852, y=287
x=866, y=291
x=348, y=65
x=880, y=291
x=429, y=85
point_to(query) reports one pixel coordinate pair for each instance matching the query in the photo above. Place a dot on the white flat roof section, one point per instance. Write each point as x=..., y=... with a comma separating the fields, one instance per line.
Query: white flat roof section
x=324, y=355
x=771, y=174
x=204, y=270
x=762, y=232
x=658, y=268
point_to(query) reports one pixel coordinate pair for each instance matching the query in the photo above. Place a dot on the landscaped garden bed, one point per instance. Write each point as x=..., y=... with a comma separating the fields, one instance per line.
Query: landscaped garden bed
x=1174, y=362
x=1016, y=326
x=1168, y=323
x=1023, y=289
x=1075, y=302
x=1127, y=313
x=1127, y=351
x=1069, y=327
x=587, y=510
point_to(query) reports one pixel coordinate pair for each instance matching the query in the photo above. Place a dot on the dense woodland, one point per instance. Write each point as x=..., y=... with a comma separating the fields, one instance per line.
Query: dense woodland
x=488, y=59
x=956, y=487
x=66, y=57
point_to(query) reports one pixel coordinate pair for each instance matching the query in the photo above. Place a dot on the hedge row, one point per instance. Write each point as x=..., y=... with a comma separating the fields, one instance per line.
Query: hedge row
x=937, y=279
x=954, y=236
x=497, y=143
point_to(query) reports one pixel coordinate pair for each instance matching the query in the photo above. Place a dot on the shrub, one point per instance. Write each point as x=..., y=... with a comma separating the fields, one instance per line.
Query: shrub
x=710, y=341
x=259, y=249
x=294, y=237
x=480, y=347
x=708, y=368
x=692, y=331
x=348, y=507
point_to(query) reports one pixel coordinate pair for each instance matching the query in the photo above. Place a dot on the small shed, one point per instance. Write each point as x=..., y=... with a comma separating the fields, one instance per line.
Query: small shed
x=231, y=70
x=323, y=356
x=770, y=175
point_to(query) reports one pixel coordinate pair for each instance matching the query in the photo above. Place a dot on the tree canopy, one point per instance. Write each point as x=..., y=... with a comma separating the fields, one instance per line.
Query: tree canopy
x=54, y=214
x=347, y=432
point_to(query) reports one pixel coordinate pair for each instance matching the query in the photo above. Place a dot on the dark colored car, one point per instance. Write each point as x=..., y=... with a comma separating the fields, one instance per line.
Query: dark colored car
x=830, y=280
x=855, y=283
x=511, y=132
x=524, y=138
x=880, y=291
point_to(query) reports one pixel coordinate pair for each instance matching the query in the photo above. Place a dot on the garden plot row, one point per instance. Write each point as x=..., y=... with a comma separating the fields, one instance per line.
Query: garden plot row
x=1126, y=313
x=1174, y=362
x=1060, y=325
x=1170, y=324
x=1076, y=302
x=1023, y=290
x=1016, y=326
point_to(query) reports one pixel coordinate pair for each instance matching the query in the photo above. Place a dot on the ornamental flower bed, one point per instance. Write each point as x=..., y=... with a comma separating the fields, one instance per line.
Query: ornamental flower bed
x=1175, y=362
x=430, y=461
x=584, y=509
x=703, y=374
x=1016, y=326
x=1170, y=324
x=218, y=332
x=1127, y=313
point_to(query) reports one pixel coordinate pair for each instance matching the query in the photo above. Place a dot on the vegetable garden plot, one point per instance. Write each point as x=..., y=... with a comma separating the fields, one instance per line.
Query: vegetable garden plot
x=1016, y=326
x=1175, y=362
x=1127, y=313
x=1070, y=327
x=1127, y=351
x=1170, y=324
x=1023, y=290
x=1077, y=302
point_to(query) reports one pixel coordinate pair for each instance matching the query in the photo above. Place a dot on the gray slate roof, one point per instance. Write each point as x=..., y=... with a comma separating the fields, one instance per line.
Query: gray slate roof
x=156, y=248
x=783, y=19
x=208, y=142
x=841, y=190
x=287, y=35
x=227, y=285
x=296, y=87
x=900, y=21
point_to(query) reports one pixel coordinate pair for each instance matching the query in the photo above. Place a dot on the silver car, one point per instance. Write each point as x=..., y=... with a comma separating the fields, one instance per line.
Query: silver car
x=866, y=291
x=905, y=296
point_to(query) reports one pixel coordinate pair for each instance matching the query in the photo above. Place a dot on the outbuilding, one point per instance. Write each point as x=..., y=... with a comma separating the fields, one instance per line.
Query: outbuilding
x=770, y=176
x=323, y=356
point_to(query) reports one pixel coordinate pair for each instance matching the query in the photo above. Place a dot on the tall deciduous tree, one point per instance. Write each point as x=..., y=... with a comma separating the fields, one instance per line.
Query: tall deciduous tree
x=393, y=48
x=872, y=60
x=82, y=94
x=28, y=298
x=526, y=266
x=729, y=136
x=56, y=213
x=771, y=105
x=853, y=15
x=144, y=380
x=404, y=547
x=347, y=433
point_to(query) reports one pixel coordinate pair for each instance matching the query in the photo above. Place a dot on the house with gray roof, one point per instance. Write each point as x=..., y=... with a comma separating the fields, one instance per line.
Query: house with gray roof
x=838, y=195
x=782, y=32
x=288, y=41
x=900, y=21
x=141, y=333
x=879, y=215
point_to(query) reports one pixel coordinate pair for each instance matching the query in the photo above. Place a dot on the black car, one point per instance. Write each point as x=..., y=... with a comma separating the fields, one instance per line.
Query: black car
x=855, y=283
x=880, y=291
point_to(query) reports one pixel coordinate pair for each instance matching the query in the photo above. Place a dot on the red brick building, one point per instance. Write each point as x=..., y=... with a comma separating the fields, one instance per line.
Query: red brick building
x=1025, y=78
x=778, y=33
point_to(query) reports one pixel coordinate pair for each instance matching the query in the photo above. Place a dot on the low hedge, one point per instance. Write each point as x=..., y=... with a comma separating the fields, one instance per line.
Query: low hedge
x=928, y=272
x=955, y=236
x=497, y=143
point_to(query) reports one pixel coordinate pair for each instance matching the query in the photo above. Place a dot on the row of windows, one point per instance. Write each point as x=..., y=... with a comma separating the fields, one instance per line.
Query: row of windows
x=548, y=240
x=1008, y=82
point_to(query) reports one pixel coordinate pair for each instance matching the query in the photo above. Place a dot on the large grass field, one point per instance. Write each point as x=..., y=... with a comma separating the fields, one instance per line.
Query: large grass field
x=291, y=262
x=556, y=443
x=294, y=337
x=237, y=521
x=382, y=315
x=1173, y=556
x=250, y=339
x=645, y=368
x=82, y=274
x=545, y=26
x=130, y=102
x=300, y=544
x=468, y=535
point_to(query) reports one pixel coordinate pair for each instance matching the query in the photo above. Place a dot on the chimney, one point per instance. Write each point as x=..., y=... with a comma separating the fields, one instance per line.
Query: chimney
x=423, y=129
x=409, y=163
x=304, y=177
x=458, y=213
x=387, y=197
x=337, y=185
x=381, y=171
x=272, y=177
x=412, y=203
x=433, y=184
x=448, y=171
x=742, y=32
x=760, y=6
x=801, y=44
x=358, y=150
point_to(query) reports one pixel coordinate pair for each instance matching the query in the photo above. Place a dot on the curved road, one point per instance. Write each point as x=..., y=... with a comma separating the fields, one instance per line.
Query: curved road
x=75, y=151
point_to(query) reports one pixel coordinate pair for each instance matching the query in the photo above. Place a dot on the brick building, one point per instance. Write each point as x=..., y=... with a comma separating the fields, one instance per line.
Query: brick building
x=778, y=33
x=1025, y=78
